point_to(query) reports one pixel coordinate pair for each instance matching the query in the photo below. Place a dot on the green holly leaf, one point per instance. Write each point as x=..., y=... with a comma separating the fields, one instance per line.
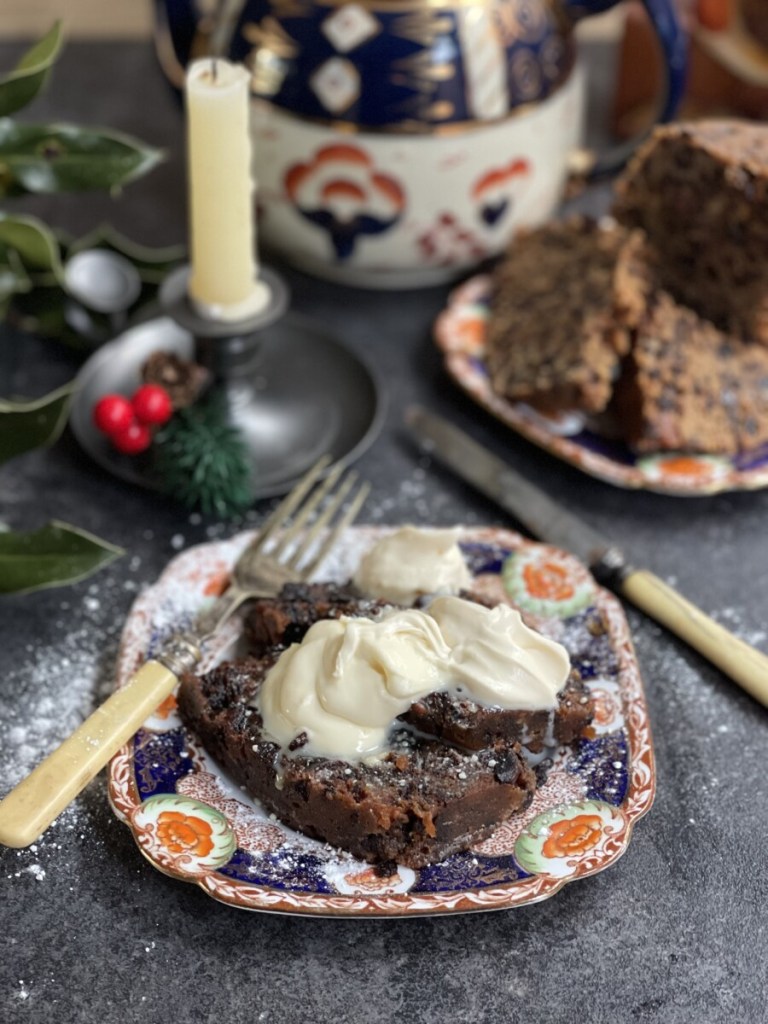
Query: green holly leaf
x=28, y=425
x=50, y=557
x=20, y=86
x=33, y=242
x=13, y=276
x=67, y=158
x=153, y=264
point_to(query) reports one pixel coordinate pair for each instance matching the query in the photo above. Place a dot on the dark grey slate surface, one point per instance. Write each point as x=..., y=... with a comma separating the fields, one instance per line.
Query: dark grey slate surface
x=675, y=933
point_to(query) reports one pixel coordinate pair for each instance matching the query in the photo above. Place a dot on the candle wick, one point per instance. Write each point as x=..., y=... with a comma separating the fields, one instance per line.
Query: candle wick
x=214, y=69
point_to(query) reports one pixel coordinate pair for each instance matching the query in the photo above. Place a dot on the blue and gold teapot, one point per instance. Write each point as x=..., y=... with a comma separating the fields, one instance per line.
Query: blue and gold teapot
x=399, y=142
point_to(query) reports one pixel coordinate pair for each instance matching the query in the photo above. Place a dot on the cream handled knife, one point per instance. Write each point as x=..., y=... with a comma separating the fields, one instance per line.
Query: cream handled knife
x=547, y=520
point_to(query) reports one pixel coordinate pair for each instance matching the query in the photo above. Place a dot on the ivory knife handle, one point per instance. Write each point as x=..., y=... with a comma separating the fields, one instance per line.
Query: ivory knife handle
x=740, y=662
x=28, y=810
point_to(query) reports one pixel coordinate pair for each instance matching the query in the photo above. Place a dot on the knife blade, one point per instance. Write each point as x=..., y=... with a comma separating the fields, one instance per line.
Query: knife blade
x=544, y=518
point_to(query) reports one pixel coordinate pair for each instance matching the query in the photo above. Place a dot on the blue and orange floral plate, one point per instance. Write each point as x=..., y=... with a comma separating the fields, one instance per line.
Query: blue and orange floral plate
x=193, y=823
x=460, y=334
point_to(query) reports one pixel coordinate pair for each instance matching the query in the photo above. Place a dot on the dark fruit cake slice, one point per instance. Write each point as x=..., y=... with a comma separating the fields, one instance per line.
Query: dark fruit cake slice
x=417, y=805
x=553, y=340
x=275, y=623
x=284, y=620
x=700, y=192
x=472, y=726
x=688, y=387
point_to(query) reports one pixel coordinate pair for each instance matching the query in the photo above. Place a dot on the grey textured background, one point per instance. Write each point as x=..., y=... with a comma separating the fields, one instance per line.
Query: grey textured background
x=673, y=934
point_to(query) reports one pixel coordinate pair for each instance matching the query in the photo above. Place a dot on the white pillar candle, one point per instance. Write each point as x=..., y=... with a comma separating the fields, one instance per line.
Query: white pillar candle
x=224, y=282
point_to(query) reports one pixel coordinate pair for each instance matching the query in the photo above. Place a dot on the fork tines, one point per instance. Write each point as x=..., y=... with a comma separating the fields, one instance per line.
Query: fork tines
x=313, y=514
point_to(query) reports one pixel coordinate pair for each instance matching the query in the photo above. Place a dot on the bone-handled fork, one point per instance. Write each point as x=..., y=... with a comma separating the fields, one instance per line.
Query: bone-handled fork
x=290, y=547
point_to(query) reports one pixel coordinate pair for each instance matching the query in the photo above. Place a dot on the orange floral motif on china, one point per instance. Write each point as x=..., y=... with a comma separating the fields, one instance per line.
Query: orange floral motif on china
x=217, y=584
x=573, y=836
x=168, y=706
x=684, y=465
x=605, y=706
x=548, y=581
x=342, y=192
x=472, y=333
x=369, y=880
x=184, y=833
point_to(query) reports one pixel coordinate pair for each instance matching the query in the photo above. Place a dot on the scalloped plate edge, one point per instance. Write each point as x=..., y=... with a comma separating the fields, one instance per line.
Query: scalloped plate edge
x=124, y=798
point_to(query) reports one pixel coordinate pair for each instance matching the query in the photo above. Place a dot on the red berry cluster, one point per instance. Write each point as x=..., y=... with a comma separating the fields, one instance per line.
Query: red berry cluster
x=127, y=422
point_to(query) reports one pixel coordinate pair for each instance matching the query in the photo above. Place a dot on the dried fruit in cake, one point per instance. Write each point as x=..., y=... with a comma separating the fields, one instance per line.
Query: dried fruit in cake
x=284, y=620
x=417, y=805
x=553, y=338
x=474, y=727
x=687, y=386
x=700, y=192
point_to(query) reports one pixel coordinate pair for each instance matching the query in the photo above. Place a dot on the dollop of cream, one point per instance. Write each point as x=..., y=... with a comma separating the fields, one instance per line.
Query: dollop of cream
x=496, y=659
x=349, y=679
x=412, y=562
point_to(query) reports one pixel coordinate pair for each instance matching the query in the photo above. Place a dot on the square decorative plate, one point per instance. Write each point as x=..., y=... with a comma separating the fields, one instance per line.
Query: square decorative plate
x=193, y=823
x=460, y=334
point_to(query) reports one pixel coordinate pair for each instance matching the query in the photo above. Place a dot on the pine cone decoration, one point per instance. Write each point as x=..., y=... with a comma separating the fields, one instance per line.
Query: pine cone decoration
x=181, y=378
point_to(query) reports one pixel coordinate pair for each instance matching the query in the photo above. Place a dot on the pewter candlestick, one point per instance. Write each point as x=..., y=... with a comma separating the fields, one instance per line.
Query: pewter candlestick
x=276, y=432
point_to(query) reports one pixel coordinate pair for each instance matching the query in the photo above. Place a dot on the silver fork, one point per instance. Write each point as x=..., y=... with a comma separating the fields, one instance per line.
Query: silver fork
x=289, y=550
x=291, y=545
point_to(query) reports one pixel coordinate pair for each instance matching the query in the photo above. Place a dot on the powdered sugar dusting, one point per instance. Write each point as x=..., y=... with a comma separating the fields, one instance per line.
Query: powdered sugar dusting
x=51, y=689
x=415, y=500
x=46, y=701
x=734, y=619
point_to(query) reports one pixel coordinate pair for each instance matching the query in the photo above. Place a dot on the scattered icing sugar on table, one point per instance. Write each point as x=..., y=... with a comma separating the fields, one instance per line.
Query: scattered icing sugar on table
x=47, y=699
x=48, y=690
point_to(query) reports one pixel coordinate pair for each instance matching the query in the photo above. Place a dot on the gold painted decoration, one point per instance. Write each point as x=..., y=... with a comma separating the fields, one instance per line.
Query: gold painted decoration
x=422, y=26
x=422, y=68
x=525, y=72
x=522, y=21
x=271, y=35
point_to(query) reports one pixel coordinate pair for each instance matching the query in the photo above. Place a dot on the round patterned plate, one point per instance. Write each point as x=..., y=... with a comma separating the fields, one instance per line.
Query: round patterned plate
x=193, y=823
x=460, y=334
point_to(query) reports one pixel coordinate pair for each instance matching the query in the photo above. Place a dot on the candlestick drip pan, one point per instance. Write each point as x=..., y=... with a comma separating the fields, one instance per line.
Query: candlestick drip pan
x=300, y=393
